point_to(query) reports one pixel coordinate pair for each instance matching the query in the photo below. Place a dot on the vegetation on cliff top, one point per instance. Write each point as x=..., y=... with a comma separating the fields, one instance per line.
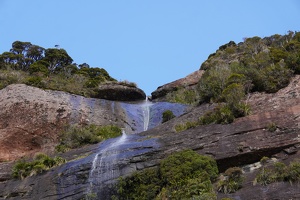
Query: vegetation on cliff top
x=257, y=64
x=236, y=70
x=50, y=68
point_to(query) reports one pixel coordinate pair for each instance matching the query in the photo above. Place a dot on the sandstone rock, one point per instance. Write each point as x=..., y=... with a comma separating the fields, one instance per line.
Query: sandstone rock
x=189, y=81
x=32, y=118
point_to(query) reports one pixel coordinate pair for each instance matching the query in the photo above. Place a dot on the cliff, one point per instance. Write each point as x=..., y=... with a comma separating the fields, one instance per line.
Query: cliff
x=243, y=142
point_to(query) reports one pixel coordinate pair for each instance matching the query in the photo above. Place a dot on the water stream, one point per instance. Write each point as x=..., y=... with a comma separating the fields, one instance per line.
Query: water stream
x=146, y=113
x=106, y=163
x=104, y=167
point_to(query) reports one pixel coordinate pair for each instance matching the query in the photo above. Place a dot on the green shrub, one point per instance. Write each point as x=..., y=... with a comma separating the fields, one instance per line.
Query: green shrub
x=128, y=83
x=279, y=172
x=275, y=77
x=182, y=175
x=185, y=126
x=39, y=67
x=76, y=136
x=183, y=95
x=40, y=164
x=8, y=77
x=293, y=172
x=265, y=177
x=232, y=182
x=212, y=83
x=272, y=127
x=220, y=115
x=264, y=160
x=141, y=185
x=167, y=115
x=35, y=81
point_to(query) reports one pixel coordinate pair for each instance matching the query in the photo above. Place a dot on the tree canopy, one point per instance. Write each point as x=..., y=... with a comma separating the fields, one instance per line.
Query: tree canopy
x=51, y=68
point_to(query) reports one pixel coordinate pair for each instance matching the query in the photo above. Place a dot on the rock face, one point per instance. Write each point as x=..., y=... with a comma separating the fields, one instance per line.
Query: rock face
x=32, y=118
x=189, y=81
x=118, y=92
x=243, y=142
x=246, y=140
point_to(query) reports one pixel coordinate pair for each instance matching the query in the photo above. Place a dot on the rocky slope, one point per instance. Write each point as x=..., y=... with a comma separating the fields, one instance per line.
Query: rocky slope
x=189, y=81
x=243, y=142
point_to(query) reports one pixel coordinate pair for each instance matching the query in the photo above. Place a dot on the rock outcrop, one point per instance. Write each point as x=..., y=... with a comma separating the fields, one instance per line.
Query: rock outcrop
x=117, y=92
x=189, y=81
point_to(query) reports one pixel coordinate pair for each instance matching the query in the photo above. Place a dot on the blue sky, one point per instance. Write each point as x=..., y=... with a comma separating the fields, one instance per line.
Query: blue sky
x=149, y=42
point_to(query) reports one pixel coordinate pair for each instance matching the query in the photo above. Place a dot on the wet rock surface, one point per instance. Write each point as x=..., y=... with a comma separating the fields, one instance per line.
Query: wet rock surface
x=73, y=179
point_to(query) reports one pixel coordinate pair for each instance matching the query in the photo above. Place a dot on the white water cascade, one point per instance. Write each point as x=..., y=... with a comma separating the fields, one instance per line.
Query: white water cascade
x=146, y=113
x=104, y=164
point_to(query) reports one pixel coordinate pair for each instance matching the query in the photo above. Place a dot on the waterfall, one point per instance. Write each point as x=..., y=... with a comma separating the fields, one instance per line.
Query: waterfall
x=104, y=165
x=146, y=113
x=108, y=162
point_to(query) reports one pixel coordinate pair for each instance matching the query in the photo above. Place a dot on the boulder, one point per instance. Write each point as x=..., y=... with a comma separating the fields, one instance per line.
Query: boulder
x=117, y=92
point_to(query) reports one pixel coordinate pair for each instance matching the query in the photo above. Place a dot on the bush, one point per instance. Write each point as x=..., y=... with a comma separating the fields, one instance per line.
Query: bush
x=39, y=67
x=8, y=77
x=275, y=77
x=183, y=95
x=272, y=127
x=167, y=115
x=212, y=83
x=35, y=81
x=293, y=172
x=220, y=115
x=232, y=182
x=127, y=83
x=76, y=136
x=185, y=126
x=279, y=172
x=182, y=175
x=40, y=164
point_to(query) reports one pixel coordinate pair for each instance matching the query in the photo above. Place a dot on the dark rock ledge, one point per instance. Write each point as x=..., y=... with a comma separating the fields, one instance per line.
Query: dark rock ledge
x=118, y=92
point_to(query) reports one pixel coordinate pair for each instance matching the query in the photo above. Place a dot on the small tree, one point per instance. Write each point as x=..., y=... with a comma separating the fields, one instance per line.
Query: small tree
x=167, y=115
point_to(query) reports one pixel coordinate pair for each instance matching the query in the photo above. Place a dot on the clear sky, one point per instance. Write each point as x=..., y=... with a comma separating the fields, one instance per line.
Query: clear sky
x=149, y=42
